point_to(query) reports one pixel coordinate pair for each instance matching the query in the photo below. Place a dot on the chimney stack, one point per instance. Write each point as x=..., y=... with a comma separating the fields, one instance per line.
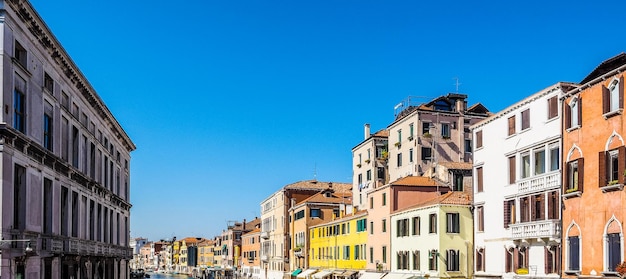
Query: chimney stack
x=367, y=130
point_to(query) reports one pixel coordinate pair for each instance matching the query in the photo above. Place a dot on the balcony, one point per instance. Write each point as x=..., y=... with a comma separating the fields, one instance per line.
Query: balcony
x=536, y=229
x=264, y=258
x=265, y=235
x=544, y=182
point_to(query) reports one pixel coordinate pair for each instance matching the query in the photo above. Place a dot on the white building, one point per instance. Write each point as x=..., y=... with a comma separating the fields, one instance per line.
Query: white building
x=517, y=179
x=369, y=165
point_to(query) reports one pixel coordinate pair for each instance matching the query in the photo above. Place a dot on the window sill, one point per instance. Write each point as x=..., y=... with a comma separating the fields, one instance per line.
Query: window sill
x=612, y=113
x=611, y=274
x=572, y=272
x=614, y=187
x=573, y=128
x=572, y=194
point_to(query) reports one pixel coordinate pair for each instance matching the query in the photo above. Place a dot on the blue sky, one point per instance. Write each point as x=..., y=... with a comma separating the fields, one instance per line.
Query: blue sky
x=228, y=101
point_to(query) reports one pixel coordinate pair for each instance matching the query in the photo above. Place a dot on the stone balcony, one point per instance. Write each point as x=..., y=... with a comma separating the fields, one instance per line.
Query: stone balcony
x=265, y=234
x=550, y=229
x=544, y=182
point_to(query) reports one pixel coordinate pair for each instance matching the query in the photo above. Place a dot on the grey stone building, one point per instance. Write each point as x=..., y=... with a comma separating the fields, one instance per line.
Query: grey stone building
x=64, y=161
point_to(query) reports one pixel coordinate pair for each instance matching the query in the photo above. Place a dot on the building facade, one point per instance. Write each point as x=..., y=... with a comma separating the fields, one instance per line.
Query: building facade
x=369, y=165
x=593, y=173
x=517, y=188
x=65, y=162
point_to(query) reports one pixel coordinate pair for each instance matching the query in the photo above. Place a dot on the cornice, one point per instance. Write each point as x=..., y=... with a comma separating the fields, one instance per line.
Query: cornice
x=37, y=27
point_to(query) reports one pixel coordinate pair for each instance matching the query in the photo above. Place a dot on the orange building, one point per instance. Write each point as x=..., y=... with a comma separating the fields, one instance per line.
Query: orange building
x=594, y=130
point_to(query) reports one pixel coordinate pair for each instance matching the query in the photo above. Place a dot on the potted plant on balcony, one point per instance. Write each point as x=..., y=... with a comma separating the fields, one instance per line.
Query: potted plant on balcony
x=621, y=269
x=427, y=135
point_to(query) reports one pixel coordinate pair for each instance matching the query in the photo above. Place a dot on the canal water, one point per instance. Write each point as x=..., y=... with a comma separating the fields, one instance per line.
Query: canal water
x=168, y=276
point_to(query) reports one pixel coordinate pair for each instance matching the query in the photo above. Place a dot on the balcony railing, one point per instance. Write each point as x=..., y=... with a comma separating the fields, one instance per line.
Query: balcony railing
x=537, y=229
x=551, y=180
x=265, y=235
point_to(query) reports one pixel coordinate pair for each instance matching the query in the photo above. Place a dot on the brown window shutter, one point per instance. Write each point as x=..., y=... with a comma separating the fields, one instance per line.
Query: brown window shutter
x=580, y=112
x=512, y=170
x=526, y=119
x=621, y=92
x=551, y=205
x=515, y=259
x=508, y=259
x=621, y=157
x=557, y=255
x=526, y=257
x=567, y=117
x=542, y=201
x=479, y=179
x=547, y=260
x=606, y=99
x=511, y=125
x=553, y=107
x=479, y=139
x=565, y=177
x=533, y=211
x=507, y=214
x=581, y=173
x=601, y=169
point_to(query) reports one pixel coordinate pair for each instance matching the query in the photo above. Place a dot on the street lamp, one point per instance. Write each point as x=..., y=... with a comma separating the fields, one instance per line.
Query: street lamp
x=27, y=248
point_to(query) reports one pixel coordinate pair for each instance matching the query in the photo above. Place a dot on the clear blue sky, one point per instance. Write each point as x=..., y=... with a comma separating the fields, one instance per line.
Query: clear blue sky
x=228, y=101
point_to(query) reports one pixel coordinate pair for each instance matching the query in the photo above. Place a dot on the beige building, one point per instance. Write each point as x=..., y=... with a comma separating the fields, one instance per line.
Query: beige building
x=274, y=223
x=65, y=161
x=369, y=165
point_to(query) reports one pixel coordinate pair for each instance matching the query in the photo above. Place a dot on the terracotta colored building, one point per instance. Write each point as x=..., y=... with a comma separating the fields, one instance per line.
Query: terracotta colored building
x=594, y=169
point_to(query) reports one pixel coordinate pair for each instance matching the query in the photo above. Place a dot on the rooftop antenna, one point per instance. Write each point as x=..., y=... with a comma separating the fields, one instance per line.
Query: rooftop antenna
x=456, y=84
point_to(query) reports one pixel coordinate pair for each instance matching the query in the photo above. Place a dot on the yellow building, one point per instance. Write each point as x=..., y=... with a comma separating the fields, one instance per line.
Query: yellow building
x=339, y=245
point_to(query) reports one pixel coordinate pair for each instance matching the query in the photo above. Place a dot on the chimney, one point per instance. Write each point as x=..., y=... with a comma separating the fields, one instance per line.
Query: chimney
x=367, y=130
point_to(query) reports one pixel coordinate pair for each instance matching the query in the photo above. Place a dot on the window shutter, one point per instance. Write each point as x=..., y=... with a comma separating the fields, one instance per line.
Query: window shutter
x=580, y=112
x=533, y=210
x=512, y=170
x=542, y=202
x=621, y=92
x=507, y=214
x=507, y=260
x=601, y=169
x=606, y=99
x=581, y=175
x=621, y=157
x=565, y=177
x=551, y=202
x=479, y=179
x=553, y=107
x=515, y=259
x=547, y=260
x=567, y=117
x=557, y=256
x=511, y=125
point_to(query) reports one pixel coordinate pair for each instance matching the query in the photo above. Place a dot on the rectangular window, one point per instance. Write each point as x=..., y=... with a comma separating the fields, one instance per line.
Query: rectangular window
x=411, y=131
x=553, y=107
x=509, y=213
x=416, y=225
x=368, y=175
x=445, y=130
x=19, y=105
x=48, y=83
x=453, y=223
x=512, y=169
x=399, y=159
x=371, y=227
x=402, y=227
x=540, y=162
x=525, y=167
x=47, y=126
x=468, y=146
x=452, y=260
x=411, y=155
x=458, y=184
x=511, y=121
x=574, y=175
x=20, y=54
x=425, y=128
x=19, y=197
x=479, y=179
x=384, y=199
x=614, y=250
x=299, y=215
x=480, y=218
x=553, y=205
x=384, y=254
x=371, y=202
x=399, y=136
x=426, y=153
x=432, y=223
x=47, y=206
x=479, y=139
x=384, y=226
x=555, y=161
x=524, y=209
x=416, y=260
x=371, y=254
x=525, y=119
x=537, y=207
x=315, y=213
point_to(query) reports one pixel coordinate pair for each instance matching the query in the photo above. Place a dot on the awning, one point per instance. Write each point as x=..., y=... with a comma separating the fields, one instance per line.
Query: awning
x=372, y=275
x=393, y=275
x=306, y=273
x=321, y=274
x=296, y=272
x=348, y=273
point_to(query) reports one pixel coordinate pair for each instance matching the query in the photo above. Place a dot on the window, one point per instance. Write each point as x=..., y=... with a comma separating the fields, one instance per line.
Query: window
x=346, y=252
x=432, y=223
x=525, y=171
x=416, y=260
x=315, y=213
x=537, y=207
x=399, y=136
x=540, y=161
x=416, y=225
x=612, y=96
x=452, y=260
x=512, y=169
x=479, y=139
x=371, y=227
x=573, y=114
x=525, y=119
x=553, y=205
x=384, y=250
x=554, y=157
x=425, y=128
x=371, y=254
x=553, y=107
x=611, y=167
x=480, y=259
x=509, y=260
x=299, y=215
x=511, y=125
x=453, y=223
x=432, y=259
x=458, y=182
x=426, y=153
x=356, y=252
x=553, y=265
x=509, y=213
x=399, y=159
x=361, y=225
x=411, y=155
x=48, y=83
x=479, y=179
x=384, y=226
x=47, y=126
x=368, y=175
x=445, y=130
x=384, y=199
x=411, y=131
x=371, y=202
x=19, y=197
x=360, y=179
x=19, y=105
x=480, y=218
x=468, y=146
x=574, y=175
x=20, y=54
x=402, y=227
x=524, y=208
x=403, y=260
x=614, y=250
